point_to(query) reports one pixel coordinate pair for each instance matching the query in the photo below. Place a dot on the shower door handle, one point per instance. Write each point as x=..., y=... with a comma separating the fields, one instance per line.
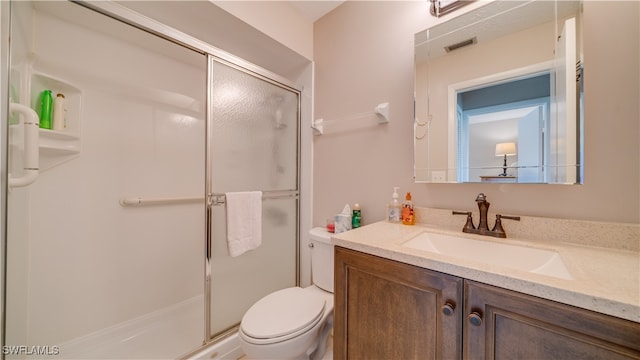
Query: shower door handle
x=209, y=215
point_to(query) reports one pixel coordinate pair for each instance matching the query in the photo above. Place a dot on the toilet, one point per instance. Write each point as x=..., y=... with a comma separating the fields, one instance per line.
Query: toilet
x=294, y=323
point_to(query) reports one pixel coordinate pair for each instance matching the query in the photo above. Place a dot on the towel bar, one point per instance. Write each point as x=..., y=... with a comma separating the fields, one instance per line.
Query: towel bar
x=216, y=199
x=220, y=199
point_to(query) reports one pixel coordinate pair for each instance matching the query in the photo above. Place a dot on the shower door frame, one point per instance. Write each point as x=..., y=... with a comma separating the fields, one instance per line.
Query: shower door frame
x=5, y=29
x=211, y=196
x=135, y=19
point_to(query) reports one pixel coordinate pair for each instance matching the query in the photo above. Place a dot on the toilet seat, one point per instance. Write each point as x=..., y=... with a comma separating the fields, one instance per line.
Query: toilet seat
x=282, y=315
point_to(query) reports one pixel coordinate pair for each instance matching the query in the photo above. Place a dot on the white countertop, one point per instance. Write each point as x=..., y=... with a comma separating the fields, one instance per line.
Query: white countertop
x=604, y=280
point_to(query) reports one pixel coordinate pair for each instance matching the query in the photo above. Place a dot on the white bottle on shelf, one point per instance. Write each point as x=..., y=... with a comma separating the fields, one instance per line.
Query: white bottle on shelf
x=59, y=113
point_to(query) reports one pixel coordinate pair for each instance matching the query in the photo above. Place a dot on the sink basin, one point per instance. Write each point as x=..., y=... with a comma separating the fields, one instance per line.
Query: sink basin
x=539, y=261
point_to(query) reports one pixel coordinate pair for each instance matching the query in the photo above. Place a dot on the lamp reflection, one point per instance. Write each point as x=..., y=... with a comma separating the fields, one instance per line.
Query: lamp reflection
x=505, y=149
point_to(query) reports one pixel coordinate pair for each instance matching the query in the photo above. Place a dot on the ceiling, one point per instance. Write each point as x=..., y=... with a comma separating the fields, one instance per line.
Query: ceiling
x=314, y=10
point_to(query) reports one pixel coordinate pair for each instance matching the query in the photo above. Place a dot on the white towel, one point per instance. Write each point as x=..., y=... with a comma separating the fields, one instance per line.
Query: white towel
x=244, y=221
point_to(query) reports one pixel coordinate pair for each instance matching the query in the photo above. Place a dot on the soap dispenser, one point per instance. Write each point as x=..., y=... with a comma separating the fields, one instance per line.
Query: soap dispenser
x=408, y=214
x=393, y=208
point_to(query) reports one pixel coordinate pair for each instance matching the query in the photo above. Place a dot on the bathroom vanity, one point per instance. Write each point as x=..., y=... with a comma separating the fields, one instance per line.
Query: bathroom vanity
x=395, y=300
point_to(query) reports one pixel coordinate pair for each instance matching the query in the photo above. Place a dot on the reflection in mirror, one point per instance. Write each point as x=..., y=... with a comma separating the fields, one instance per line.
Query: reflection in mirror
x=496, y=75
x=512, y=112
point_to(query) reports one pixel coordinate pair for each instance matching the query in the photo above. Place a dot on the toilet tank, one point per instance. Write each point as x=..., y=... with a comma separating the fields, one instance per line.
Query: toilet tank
x=321, y=259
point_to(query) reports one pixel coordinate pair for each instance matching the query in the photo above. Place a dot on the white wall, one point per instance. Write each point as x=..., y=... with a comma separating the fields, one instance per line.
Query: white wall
x=280, y=46
x=277, y=19
x=364, y=60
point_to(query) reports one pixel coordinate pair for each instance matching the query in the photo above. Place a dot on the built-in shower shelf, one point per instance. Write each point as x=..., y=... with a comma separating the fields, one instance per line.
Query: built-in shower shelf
x=58, y=135
x=57, y=150
x=57, y=147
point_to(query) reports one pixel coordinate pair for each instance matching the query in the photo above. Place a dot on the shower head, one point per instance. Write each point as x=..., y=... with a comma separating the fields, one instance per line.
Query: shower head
x=274, y=99
x=280, y=124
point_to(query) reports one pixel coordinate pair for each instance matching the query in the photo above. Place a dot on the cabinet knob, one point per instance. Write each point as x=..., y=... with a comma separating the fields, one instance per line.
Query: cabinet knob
x=448, y=308
x=475, y=319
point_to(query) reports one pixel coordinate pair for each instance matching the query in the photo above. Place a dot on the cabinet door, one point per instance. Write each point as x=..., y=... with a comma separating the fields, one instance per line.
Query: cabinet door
x=390, y=310
x=511, y=325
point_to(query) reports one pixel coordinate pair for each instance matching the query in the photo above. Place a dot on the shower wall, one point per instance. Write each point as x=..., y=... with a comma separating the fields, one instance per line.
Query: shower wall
x=80, y=261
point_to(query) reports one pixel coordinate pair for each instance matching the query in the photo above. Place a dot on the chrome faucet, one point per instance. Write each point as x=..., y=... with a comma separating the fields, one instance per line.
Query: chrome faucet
x=483, y=226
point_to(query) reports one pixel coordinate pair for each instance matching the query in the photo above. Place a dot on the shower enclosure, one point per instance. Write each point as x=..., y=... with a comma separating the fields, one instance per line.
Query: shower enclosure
x=115, y=221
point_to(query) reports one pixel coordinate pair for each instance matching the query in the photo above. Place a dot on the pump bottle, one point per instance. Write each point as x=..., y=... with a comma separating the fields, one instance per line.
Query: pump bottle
x=393, y=208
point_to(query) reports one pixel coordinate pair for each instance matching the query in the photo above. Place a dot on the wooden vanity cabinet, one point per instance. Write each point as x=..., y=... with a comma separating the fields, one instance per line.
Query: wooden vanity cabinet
x=505, y=324
x=390, y=310
x=385, y=309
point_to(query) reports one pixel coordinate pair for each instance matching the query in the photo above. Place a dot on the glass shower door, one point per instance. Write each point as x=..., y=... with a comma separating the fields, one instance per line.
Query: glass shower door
x=254, y=146
x=89, y=277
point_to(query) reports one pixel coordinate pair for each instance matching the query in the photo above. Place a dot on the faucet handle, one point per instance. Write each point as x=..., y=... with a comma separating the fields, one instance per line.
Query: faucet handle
x=517, y=218
x=468, y=226
x=497, y=230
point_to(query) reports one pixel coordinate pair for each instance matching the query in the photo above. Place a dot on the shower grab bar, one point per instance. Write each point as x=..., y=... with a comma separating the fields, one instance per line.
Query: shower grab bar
x=216, y=199
x=31, y=125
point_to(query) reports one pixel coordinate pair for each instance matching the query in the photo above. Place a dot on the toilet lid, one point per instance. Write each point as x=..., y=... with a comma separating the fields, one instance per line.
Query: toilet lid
x=282, y=313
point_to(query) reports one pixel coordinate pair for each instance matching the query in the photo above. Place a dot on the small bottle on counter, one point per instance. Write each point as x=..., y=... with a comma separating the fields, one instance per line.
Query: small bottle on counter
x=331, y=225
x=408, y=214
x=356, y=217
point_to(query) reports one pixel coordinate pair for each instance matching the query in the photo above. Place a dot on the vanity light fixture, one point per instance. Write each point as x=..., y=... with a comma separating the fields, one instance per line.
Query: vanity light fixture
x=505, y=149
x=442, y=7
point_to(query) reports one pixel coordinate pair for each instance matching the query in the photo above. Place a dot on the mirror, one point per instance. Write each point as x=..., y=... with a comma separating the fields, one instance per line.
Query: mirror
x=499, y=95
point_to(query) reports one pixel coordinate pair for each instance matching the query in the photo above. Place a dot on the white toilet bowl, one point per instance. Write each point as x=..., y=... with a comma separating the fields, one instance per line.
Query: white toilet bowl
x=294, y=323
